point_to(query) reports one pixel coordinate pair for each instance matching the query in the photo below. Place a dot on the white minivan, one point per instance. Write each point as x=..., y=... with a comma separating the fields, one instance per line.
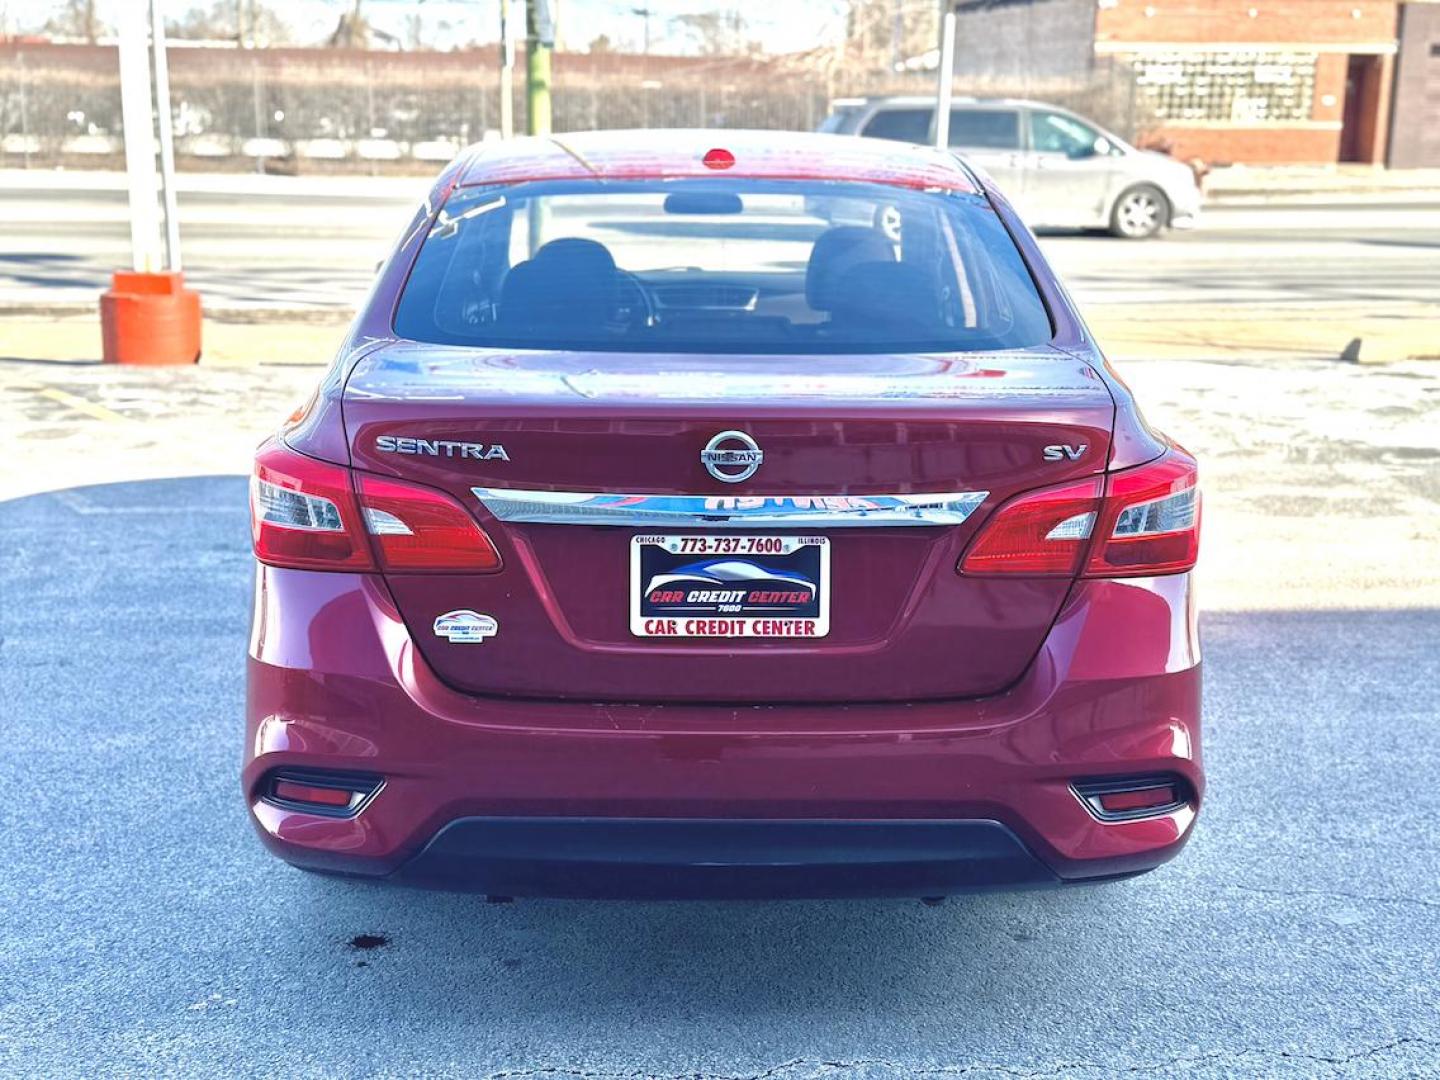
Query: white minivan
x=1060, y=170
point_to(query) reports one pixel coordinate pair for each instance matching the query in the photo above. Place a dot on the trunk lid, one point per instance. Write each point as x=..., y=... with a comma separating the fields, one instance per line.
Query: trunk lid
x=838, y=434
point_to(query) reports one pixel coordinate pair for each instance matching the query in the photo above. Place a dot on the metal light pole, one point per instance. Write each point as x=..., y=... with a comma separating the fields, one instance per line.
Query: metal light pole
x=507, y=71
x=945, y=87
x=147, y=316
x=139, y=136
x=645, y=13
x=167, y=137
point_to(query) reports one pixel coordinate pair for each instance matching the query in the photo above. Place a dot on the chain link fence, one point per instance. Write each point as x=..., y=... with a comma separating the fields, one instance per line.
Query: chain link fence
x=319, y=110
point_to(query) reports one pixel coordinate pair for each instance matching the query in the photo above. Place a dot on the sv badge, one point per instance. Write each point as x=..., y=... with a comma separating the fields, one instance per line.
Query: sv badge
x=1063, y=451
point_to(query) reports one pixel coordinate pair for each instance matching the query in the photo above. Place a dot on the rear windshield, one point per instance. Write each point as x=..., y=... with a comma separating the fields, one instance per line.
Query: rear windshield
x=720, y=265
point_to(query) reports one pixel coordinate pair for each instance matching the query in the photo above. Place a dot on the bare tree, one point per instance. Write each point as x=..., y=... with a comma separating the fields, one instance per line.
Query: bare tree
x=886, y=34
x=718, y=33
x=76, y=19
x=246, y=22
x=352, y=31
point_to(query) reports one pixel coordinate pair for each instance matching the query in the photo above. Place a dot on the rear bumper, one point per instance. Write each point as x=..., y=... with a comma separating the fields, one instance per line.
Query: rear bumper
x=679, y=859
x=523, y=797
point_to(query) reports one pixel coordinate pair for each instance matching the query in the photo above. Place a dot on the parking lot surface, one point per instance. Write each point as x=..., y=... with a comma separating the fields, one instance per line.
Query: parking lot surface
x=145, y=930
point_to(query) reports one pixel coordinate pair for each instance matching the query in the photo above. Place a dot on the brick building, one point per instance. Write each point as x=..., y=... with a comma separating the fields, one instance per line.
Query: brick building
x=1262, y=81
x=1415, y=107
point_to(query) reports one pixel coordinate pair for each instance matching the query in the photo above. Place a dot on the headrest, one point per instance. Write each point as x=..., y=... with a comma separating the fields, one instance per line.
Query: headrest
x=836, y=251
x=568, y=286
x=579, y=253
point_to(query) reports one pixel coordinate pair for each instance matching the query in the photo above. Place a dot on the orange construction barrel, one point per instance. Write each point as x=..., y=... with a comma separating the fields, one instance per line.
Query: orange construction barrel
x=150, y=319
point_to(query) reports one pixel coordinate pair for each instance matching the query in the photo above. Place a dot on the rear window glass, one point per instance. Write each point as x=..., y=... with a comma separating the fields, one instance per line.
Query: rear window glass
x=722, y=265
x=987, y=129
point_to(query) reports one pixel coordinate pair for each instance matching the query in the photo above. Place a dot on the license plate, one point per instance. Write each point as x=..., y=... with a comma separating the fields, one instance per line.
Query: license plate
x=725, y=586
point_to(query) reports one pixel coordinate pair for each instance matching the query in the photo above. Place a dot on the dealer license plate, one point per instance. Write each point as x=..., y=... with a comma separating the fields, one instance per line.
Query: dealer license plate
x=725, y=586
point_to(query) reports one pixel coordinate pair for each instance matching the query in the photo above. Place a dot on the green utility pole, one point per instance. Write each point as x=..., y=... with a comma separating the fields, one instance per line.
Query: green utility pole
x=539, y=43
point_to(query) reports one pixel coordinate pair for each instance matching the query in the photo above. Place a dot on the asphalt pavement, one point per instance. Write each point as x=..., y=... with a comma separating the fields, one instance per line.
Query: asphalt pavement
x=258, y=241
x=143, y=930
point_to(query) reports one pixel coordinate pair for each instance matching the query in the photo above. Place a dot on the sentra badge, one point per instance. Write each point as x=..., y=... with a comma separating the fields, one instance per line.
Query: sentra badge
x=393, y=444
x=466, y=627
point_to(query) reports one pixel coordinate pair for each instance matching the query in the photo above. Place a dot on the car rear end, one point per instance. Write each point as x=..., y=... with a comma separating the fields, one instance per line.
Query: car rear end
x=658, y=538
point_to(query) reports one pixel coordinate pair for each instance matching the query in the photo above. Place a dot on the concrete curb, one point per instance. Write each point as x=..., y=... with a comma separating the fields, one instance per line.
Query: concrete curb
x=77, y=309
x=248, y=335
x=1265, y=334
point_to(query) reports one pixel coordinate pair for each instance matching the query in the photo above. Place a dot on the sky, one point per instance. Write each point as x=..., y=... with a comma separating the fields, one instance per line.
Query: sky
x=781, y=25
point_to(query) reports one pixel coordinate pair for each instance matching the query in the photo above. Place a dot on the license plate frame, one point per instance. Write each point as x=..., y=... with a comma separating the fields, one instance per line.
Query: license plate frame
x=802, y=560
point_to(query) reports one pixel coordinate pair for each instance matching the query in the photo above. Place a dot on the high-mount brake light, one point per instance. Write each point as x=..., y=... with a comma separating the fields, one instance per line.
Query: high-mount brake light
x=1146, y=524
x=417, y=528
x=718, y=158
x=303, y=513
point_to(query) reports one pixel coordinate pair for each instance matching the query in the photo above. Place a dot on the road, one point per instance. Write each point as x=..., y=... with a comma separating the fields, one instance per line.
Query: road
x=275, y=241
x=145, y=931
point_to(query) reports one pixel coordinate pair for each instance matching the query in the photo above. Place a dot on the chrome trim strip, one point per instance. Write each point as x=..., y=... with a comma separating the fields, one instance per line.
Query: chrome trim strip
x=727, y=511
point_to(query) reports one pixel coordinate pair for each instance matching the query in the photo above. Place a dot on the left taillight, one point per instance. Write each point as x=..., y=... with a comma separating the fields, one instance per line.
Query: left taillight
x=419, y=529
x=312, y=515
x=303, y=513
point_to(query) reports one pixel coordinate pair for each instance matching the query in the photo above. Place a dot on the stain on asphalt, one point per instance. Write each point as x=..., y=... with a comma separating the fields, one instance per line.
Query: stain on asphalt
x=369, y=941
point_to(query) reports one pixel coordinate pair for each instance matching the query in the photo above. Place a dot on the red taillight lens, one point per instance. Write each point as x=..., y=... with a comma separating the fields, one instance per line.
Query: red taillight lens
x=1040, y=534
x=1151, y=521
x=1148, y=523
x=303, y=513
x=417, y=528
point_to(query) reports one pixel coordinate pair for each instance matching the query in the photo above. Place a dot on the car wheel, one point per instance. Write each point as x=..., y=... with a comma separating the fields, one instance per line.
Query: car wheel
x=1140, y=212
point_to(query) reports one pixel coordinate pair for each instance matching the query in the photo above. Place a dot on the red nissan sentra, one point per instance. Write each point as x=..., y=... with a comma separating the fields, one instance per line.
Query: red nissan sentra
x=722, y=514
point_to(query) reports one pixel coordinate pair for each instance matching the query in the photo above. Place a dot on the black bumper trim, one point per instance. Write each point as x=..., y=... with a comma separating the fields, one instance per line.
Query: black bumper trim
x=670, y=858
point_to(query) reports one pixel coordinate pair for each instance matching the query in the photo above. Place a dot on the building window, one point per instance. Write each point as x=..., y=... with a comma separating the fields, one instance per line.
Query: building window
x=1230, y=87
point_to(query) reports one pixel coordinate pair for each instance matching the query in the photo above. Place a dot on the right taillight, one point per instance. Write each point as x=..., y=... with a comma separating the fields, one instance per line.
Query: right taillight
x=1151, y=521
x=1146, y=523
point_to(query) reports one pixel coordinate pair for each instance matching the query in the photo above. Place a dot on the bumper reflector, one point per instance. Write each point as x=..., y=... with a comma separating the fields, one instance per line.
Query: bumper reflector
x=289, y=791
x=1132, y=799
x=1120, y=802
x=331, y=794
